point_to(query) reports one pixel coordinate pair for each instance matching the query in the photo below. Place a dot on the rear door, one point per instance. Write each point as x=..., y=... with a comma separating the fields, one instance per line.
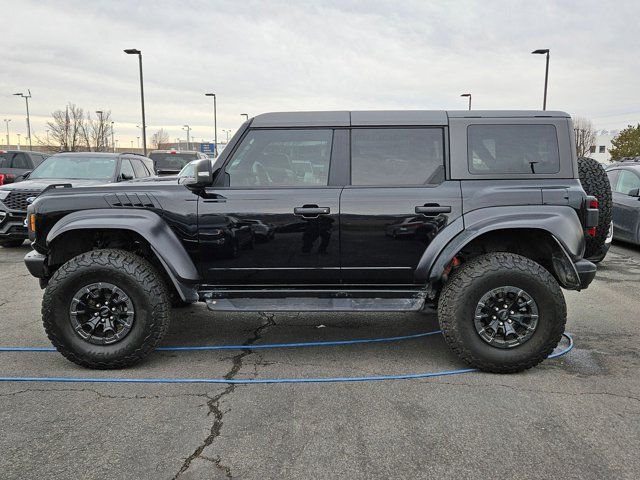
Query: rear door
x=278, y=180
x=397, y=203
x=626, y=209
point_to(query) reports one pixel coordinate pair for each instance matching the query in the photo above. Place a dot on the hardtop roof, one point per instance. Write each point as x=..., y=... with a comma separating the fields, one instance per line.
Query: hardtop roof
x=388, y=117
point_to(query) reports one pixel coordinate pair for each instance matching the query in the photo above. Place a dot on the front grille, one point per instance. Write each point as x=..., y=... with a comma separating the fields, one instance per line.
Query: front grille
x=17, y=199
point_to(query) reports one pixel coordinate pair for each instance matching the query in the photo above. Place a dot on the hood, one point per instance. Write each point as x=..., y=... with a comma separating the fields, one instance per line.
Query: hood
x=42, y=183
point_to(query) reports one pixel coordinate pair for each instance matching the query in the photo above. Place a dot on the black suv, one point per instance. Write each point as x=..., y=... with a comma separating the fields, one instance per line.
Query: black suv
x=498, y=224
x=72, y=169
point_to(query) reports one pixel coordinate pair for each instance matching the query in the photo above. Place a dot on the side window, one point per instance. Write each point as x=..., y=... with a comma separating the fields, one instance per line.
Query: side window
x=138, y=167
x=20, y=161
x=282, y=158
x=397, y=156
x=512, y=149
x=37, y=159
x=613, y=178
x=627, y=181
x=126, y=169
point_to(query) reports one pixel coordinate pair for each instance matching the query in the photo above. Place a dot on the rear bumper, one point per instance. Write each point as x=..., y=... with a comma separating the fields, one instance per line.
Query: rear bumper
x=586, y=272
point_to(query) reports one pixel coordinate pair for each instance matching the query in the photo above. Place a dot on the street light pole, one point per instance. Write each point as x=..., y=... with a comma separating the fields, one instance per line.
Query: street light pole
x=215, y=125
x=467, y=95
x=26, y=99
x=6, y=122
x=113, y=145
x=188, y=129
x=542, y=51
x=100, y=131
x=18, y=141
x=134, y=51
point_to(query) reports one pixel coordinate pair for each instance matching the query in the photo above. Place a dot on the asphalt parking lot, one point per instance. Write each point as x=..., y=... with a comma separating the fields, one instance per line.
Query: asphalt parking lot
x=577, y=416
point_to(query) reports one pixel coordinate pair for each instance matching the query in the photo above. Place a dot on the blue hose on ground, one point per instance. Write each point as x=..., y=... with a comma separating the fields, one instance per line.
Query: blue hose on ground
x=239, y=381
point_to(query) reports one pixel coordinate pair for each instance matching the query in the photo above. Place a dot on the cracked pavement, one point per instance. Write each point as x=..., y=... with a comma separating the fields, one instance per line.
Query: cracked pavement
x=577, y=416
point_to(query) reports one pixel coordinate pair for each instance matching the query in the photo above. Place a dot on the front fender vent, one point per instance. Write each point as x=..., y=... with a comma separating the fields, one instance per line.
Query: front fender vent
x=131, y=200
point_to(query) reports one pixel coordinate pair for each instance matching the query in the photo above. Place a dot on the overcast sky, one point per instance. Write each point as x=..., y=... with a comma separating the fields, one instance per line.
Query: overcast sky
x=261, y=56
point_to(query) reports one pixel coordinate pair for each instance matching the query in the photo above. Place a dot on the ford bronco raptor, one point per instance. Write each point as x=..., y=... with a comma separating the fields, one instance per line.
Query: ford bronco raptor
x=479, y=214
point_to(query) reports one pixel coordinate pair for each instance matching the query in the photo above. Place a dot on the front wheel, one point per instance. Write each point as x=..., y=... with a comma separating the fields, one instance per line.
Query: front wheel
x=502, y=312
x=106, y=309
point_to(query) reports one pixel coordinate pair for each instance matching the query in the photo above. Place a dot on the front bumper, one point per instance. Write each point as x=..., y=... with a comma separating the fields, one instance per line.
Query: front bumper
x=12, y=225
x=36, y=264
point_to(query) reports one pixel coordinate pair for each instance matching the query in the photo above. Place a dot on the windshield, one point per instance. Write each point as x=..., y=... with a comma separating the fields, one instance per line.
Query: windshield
x=76, y=167
x=171, y=161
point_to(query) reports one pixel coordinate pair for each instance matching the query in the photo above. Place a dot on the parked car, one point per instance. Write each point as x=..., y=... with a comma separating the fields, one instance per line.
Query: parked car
x=624, y=177
x=500, y=192
x=170, y=162
x=74, y=169
x=14, y=164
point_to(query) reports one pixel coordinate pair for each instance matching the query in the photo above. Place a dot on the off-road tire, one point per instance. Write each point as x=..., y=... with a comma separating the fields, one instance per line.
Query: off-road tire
x=137, y=278
x=594, y=180
x=11, y=243
x=463, y=291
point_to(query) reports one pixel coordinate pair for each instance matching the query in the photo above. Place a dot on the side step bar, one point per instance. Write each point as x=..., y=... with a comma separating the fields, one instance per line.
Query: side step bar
x=290, y=301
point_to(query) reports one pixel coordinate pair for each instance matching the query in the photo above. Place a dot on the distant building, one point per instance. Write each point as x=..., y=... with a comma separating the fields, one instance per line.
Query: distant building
x=600, y=151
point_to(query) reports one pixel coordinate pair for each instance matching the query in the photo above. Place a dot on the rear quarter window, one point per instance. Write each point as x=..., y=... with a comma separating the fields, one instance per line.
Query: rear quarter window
x=512, y=149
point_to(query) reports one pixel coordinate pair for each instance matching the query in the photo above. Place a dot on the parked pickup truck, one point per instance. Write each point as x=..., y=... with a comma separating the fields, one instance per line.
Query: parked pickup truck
x=498, y=226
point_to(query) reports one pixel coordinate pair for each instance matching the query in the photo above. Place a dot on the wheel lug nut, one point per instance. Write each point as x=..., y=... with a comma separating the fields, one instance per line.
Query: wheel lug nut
x=501, y=323
x=113, y=309
x=98, y=305
x=495, y=308
x=512, y=312
x=505, y=306
x=111, y=317
x=96, y=314
x=494, y=317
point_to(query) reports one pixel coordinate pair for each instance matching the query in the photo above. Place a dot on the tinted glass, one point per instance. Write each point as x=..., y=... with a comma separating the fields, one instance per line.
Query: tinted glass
x=76, y=167
x=279, y=158
x=5, y=160
x=138, y=167
x=613, y=178
x=171, y=161
x=627, y=181
x=126, y=169
x=513, y=149
x=20, y=161
x=397, y=156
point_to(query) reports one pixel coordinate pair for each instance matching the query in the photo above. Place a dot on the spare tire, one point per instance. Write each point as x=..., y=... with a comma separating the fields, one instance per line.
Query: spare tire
x=595, y=182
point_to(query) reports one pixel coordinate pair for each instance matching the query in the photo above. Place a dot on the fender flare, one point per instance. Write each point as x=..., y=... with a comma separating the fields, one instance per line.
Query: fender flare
x=561, y=222
x=149, y=225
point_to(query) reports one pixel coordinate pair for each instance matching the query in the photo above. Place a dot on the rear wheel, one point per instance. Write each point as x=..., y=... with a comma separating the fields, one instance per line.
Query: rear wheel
x=106, y=309
x=594, y=180
x=502, y=312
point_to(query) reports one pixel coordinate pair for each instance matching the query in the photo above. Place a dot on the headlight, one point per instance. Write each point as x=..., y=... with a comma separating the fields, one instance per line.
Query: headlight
x=4, y=194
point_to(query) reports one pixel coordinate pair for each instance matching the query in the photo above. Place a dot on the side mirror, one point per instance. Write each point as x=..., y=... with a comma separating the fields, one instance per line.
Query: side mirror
x=124, y=176
x=634, y=192
x=203, y=172
x=24, y=176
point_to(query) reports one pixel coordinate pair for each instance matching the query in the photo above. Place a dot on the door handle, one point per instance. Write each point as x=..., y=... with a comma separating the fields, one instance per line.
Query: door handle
x=311, y=212
x=432, y=209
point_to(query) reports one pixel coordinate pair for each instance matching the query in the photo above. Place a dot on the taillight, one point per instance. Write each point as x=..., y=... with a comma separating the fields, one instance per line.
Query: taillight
x=1, y=179
x=593, y=203
x=591, y=231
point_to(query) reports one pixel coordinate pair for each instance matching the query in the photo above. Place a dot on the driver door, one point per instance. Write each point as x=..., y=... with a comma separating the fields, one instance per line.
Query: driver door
x=276, y=181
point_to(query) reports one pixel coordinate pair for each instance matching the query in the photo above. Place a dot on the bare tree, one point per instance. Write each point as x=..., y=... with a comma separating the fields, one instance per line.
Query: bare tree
x=159, y=138
x=585, y=135
x=68, y=129
x=99, y=131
